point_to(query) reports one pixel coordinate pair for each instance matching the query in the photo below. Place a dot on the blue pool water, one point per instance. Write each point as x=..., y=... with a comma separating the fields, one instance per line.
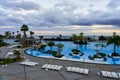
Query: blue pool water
x=88, y=50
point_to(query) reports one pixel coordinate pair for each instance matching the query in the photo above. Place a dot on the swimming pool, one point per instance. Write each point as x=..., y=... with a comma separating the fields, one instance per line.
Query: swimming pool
x=88, y=50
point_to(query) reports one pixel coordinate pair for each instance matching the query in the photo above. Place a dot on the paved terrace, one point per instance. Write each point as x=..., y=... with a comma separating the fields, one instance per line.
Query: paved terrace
x=15, y=71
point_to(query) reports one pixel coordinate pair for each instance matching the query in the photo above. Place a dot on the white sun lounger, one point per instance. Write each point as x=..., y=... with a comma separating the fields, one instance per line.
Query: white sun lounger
x=49, y=66
x=86, y=71
x=29, y=63
x=104, y=73
x=44, y=66
x=115, y=75
x=81, y=70
x=110, y=74
x=57, y=67
x=77, y=70
x=68, y=68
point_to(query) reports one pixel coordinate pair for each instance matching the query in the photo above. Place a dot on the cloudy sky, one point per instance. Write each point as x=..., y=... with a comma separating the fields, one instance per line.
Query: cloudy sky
x=54, y=17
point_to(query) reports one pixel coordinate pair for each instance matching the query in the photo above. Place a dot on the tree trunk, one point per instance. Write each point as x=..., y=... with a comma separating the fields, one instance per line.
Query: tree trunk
x=51, y=48
x=114, y=48
x=77, y=45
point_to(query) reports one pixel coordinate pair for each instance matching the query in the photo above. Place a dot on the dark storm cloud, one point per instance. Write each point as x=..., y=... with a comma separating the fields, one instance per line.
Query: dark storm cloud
x=114, y=4
x=16, y=5
x=60, y=14
x=11, y=11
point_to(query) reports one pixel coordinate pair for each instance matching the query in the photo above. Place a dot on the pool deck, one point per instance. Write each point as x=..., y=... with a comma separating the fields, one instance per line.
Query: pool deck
x=15, y=71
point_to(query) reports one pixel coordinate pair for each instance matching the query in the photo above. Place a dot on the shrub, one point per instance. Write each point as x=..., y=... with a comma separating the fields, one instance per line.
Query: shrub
x=115, y=54
x=7, y=61
x=3, y=44
x=42, y=47
x=17, y=53
x=59, y=55
x=55, y=54
x=75, y=51
x=102, y=54
x=11, y=60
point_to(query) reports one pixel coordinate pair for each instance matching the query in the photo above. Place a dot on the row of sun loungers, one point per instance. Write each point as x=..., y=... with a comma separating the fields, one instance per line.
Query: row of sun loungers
x=78, y=70
x=70, y=69
x=73, y=69
x=54, y=67
x=110, y=74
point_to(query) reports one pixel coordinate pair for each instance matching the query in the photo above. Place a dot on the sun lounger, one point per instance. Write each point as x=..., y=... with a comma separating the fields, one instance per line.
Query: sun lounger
x=109, y=74
x=81, y=70
x=57, y=67
x=115, y=75
x=29, y=63
x=49, y=66
x=77, y=70
x=68, y=68
x=44, y=66
x=104, y=73
x=86, y=71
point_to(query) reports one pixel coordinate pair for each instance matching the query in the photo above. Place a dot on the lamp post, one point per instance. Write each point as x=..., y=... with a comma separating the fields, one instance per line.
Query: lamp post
x=25, y=74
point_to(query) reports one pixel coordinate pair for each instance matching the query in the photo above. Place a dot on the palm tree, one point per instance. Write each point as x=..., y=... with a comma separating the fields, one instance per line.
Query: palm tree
x=102, y=38
x=7, y=34
x=60, y=37
x=78, y=38
x=60, y=46
x=75, y=39
x=13, y=34
x=102, y=46
x=81, y=38
x=51, y=44
x=99, y=45
x=31, y=34
x=24, y=28
x=81, y=35
x=17, y=32
x=41, y=38
x=18, y=36
x=115, y=39
x=96, y=47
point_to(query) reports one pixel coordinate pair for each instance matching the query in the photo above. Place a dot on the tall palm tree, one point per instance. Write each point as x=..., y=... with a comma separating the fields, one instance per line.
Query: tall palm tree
x=13, y=34
x=96, y=48
x=24, y=28
x=18, y=36
x=51, y=44
x=60, y=37
x=31, y=34
x=7, y=34
x=115, y=40
x=102, y=46
x=17, y=33
x=81, y=37
x=75, y=39
x=60, y=46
